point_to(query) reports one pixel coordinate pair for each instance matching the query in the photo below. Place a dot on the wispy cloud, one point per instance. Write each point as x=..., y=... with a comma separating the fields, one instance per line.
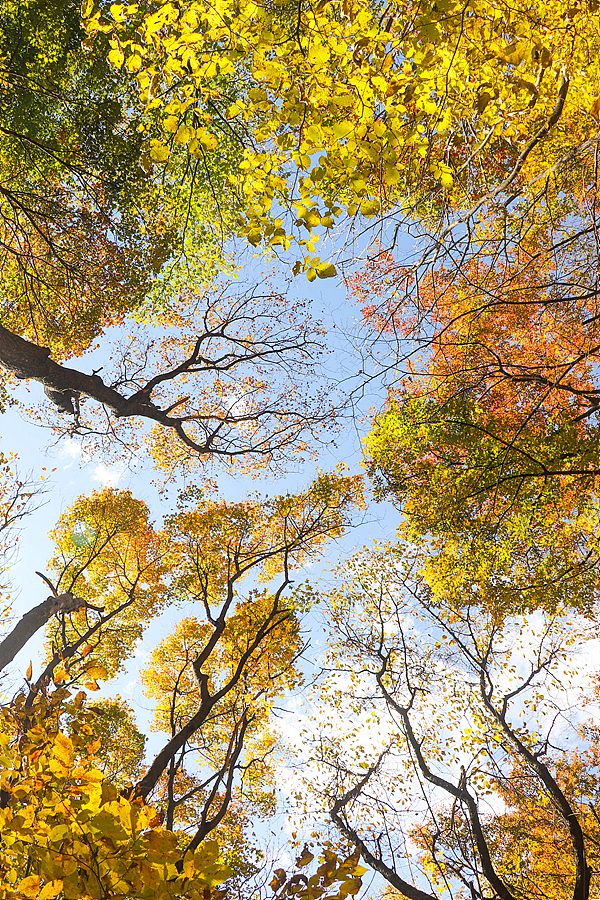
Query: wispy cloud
x=70, y=452
x=108, y=476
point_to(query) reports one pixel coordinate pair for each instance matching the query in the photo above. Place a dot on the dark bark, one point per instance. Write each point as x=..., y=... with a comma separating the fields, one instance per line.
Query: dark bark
x=64, y=385
x=203, y=432
x=391, y=876
x=27, y=360
x=164, y=757
x=583, y=873
x=32, y=621
x=236, y=745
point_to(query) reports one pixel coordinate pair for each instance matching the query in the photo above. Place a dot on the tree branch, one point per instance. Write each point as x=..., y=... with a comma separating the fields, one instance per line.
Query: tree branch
x=390, y=875
x=32, y=621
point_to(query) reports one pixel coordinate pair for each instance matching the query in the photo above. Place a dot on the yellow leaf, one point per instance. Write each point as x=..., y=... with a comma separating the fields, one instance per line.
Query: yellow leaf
x=342, y=129
x=51, y=890
x=391, y=174
x=326, y=270
x=58, y=833
x=60, y=675
x=96, y=671
x=63, y=749
x=134, y=62
x=208, y=140
x=29, y=886
x=68, y=865
x=29, y=672
x=116, y=56
x=369, y=207
x=117, y=11
x=159, y=152
x=171, y=124
x=183, y=134
x=314, y=134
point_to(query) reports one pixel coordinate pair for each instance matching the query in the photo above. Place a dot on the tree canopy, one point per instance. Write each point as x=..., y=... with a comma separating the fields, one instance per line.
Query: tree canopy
x=166, y=170
x=431, y=110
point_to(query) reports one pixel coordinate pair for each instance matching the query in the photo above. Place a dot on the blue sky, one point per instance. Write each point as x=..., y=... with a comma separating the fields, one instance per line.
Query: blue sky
x=69, y=472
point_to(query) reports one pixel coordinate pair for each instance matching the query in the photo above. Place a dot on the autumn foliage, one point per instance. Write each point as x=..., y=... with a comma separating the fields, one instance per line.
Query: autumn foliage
x=441, y=735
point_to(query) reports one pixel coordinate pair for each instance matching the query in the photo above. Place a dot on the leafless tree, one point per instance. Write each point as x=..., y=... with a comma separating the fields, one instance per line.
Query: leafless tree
x=474, y=724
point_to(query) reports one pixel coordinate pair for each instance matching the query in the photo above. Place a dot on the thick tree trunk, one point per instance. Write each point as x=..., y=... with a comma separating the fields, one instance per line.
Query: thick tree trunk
x=204, y=433
x=161, y=760
x=27, y=360
x=32, y=621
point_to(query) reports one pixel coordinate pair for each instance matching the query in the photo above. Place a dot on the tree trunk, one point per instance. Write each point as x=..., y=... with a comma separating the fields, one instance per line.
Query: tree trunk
x=32, y=621
x=27, y=360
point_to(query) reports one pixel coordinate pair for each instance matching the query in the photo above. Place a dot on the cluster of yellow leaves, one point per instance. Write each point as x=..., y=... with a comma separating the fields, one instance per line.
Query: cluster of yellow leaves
x=335, y=877
x=120, y=754
x=352, y=109
x=68, y=832
x=268, y=673
x=220, y=539
x=109, y=554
